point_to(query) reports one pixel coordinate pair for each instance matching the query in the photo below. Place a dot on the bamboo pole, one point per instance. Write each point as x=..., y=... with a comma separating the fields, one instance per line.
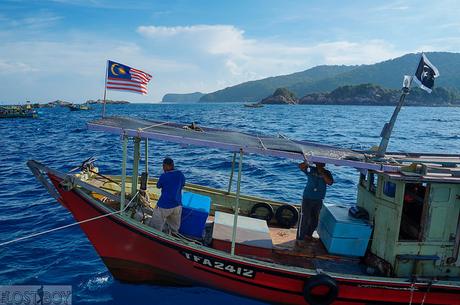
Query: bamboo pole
x=237, y=202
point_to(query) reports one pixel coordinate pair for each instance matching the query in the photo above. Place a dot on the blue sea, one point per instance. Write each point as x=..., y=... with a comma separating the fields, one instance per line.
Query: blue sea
x=59, y=138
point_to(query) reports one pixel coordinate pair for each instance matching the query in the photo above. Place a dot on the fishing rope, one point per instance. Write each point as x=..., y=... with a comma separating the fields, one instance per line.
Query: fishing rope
x=412, y=288
x=151, y=126
x=69, y=225
x=426, y=292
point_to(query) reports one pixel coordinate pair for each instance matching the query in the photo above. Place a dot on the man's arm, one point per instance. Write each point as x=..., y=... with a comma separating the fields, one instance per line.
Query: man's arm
x=327, y=176
x=160, y=182
x=183, y=181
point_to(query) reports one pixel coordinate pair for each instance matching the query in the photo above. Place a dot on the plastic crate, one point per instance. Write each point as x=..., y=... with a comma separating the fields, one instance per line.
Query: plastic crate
x=195, y=211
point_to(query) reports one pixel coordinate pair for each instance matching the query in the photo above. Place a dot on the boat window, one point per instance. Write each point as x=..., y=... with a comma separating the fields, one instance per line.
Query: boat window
x=372, y=183
x=362, y=180
x=411, y=218
x=389, y=189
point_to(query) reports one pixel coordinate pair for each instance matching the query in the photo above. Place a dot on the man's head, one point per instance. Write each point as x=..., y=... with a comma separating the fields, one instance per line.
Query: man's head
x=168, y=164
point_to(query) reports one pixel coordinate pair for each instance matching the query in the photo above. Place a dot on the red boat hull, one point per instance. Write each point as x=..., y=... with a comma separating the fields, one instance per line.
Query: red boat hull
x=136, y=255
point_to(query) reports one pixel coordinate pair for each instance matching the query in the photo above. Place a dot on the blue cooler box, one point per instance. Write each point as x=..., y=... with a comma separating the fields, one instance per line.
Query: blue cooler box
x=195, y=211
x=341, y=233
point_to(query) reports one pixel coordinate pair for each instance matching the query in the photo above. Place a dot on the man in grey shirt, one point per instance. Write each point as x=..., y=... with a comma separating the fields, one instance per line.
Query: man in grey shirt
x=315, y=191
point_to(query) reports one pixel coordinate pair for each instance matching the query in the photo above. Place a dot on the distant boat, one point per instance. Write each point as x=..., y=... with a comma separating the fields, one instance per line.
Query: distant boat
x=10, y=112
x=78, y=107
x=254, y=105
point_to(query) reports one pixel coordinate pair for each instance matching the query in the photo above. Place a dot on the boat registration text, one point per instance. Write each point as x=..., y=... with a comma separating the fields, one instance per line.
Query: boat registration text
x=220, y=265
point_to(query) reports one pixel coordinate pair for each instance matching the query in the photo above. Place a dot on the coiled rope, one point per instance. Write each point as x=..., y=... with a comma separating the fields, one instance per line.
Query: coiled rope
x=69, y=225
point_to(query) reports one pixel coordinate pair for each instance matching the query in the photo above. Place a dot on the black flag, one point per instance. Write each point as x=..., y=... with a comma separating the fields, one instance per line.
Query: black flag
x=426, y=73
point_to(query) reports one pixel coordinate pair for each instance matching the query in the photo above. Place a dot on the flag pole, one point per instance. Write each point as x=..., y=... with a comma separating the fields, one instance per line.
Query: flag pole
x=388, y=127
x=105, y=89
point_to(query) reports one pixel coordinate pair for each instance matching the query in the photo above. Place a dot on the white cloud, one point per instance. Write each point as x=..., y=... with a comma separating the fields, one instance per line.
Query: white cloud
x=215, y=39
x=245, y=59
x=9, y=67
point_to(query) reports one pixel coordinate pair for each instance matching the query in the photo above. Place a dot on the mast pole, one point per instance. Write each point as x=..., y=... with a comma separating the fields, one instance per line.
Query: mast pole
x=237, y=202
x=231, y=174
x=123, y=173
x=105, y=89
x=388, y=127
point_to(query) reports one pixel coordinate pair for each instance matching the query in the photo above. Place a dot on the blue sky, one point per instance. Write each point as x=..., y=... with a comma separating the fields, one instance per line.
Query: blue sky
x=58, y=49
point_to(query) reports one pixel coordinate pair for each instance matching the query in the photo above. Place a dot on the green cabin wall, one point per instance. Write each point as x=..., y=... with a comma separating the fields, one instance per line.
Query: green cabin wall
x=438, y=234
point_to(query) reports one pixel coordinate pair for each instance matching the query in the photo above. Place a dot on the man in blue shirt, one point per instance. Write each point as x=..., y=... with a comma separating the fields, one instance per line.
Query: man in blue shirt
x=169, y=207
x=315, y=191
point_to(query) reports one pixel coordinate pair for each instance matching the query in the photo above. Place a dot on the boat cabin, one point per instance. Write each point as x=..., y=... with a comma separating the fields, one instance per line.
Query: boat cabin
x=415, y=219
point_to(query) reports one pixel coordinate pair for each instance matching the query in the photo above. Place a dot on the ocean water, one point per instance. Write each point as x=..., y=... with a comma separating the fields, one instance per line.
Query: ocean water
x=59, y=139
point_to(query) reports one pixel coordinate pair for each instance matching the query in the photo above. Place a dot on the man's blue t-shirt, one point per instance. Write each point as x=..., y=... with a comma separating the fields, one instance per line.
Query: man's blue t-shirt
x=171, y=184
x=316, y=187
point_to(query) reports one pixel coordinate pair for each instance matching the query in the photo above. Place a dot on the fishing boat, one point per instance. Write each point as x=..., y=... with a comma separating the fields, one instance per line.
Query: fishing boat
x=399, y=244
x=78, y=107
x=394, y=260
x=10, y=112
x=253, y=105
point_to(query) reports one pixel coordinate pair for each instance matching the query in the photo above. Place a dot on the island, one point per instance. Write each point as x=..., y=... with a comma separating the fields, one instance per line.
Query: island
x=182, y=98
x=280, y=96
x=367, y=94
x=100, y=101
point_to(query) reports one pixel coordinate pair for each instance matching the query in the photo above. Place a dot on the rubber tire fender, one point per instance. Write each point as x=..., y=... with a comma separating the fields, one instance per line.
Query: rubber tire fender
x=320, y=280
x=286, y=222
x=262, y=206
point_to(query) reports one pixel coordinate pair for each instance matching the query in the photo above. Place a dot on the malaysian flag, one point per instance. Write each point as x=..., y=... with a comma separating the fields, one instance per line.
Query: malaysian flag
x=123, y=78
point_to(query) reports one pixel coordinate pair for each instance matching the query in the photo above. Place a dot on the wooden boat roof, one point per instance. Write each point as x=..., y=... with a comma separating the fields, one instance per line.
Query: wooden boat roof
x=262, y=144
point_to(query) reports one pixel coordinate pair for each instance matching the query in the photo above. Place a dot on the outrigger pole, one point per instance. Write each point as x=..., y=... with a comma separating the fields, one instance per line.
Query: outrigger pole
x=388, y=127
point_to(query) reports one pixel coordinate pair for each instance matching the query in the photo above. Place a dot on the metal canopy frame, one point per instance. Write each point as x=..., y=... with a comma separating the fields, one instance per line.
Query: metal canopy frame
x=336, y=156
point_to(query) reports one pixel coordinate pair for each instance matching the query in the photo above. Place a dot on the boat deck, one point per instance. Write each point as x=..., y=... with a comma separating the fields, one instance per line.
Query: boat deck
x=310, y=254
